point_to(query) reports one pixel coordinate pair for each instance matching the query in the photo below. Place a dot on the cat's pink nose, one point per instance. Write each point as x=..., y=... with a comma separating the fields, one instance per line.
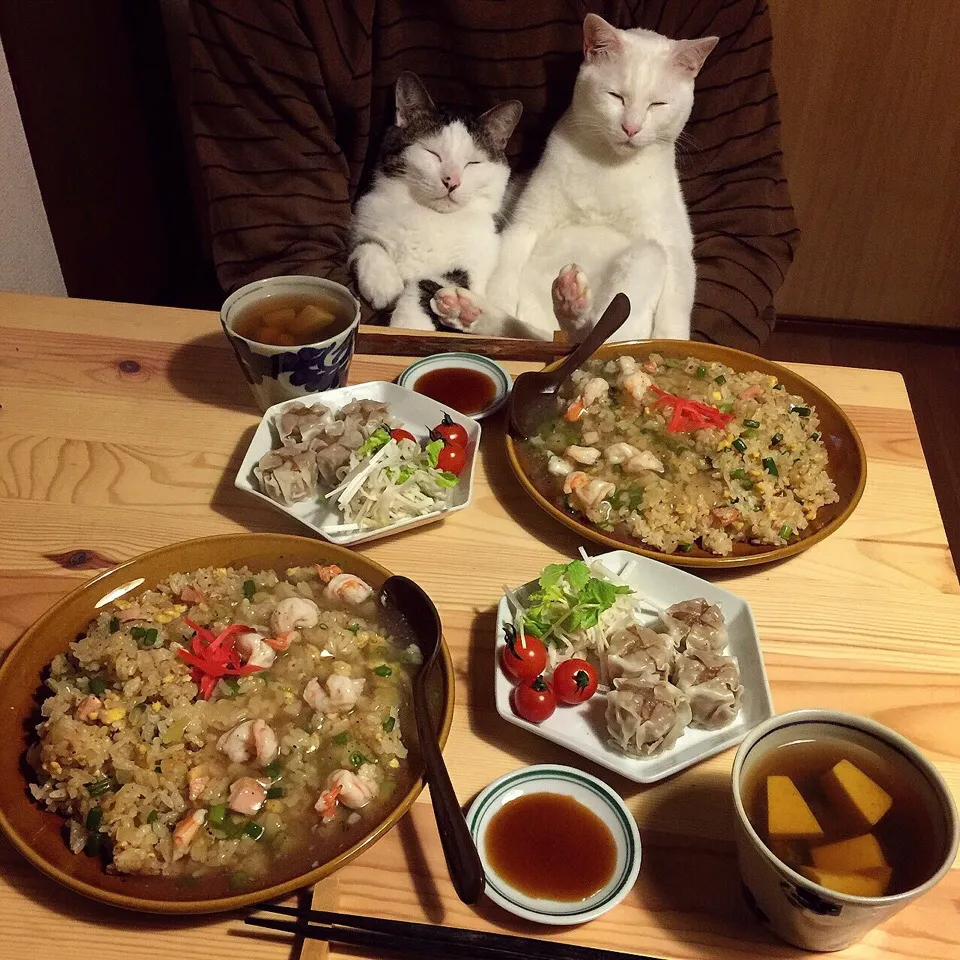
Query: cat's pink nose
x=451, y=182
x=630, y=129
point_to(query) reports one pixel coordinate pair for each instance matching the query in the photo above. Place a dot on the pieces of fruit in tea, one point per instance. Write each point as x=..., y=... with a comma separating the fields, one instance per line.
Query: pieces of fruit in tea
x=871, y=883
x=788, y=814
x=850, y=856
x=855, y=794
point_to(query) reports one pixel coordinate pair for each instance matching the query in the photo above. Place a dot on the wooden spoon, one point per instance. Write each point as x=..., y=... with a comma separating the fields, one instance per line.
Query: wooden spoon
x=533, y=398
x=401, y=596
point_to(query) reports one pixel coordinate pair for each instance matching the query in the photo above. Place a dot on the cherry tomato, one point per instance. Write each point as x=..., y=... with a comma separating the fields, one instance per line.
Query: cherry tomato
x=400, y=434
x=450, y=432
x=524, y=657
x=534, y=701
x=452, y=458
x=574, y=681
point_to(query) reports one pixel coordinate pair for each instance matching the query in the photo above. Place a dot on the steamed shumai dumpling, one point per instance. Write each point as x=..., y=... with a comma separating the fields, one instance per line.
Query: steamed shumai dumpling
x=696, y=625
x=639, y=652
x=300, y=424
x=712, y=685
x=288, y=474
x=645, y=717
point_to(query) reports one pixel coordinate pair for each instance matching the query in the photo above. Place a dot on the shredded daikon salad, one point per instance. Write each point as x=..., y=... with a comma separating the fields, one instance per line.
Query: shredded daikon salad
x=576, y=607
x=399, y=481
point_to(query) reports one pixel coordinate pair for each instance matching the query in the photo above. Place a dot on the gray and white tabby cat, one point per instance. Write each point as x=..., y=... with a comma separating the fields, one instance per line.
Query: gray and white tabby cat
x=430, y=218
x=603, y=211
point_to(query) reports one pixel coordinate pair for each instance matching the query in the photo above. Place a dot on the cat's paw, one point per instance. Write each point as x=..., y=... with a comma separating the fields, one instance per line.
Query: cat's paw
x=381, y=290
x=572, y=298
x=456, y=308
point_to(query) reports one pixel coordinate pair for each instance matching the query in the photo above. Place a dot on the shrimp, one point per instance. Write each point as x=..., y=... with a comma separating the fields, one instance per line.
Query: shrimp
x=591, y=494
x=197, y=781
x=326, y=806
x=558, y=467
x=326, y=572
x=573, y=481
x=636, y=384
x=586, y=455
x=643, y=460
x=627, y=366
x=650, y=366
x=575, y=410
x=595, y=389
x=255, y=651
x=252, y=738
x=294, y=612
x=247, y=796
x=89, y=708
x=752, y=393
x=340, y=696
x=354, y=790
x=186, y=830
x=619, y=452
x=349, y=589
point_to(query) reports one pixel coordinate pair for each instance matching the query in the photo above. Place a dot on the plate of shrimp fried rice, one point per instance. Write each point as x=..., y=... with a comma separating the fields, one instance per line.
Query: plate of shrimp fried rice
x=213, y=724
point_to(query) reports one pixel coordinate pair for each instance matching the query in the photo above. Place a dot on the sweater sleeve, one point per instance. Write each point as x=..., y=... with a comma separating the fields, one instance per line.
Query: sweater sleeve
x=277, y=183
x=731, y=167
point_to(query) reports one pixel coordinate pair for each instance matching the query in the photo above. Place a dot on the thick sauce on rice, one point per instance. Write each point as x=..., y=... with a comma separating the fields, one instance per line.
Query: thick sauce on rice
x=746, y=463
x=239, y=779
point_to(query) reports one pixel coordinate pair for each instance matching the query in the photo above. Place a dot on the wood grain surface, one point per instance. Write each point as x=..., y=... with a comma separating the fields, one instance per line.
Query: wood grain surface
x=121, y=428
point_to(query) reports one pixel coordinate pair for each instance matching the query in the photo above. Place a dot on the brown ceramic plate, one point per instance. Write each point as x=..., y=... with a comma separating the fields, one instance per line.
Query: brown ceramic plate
x=38, y=834
x=848, y=462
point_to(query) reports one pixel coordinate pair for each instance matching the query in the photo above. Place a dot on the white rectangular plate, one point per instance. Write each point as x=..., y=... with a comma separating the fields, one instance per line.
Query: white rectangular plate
x=583, y=729
x=418, y=413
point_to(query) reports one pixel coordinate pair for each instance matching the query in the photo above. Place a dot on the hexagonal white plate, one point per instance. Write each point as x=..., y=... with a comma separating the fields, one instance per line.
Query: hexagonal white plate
x=583, y=729
x=418, y=413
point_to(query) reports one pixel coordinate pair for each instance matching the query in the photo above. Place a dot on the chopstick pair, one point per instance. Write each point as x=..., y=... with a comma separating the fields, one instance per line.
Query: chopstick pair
x=423, y=939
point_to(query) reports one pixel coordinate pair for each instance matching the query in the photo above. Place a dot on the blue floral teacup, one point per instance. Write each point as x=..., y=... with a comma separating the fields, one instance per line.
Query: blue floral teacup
x=277, y=373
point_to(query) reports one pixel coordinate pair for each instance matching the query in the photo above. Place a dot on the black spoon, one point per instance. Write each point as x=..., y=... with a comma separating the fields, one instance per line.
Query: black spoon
x=403, y=597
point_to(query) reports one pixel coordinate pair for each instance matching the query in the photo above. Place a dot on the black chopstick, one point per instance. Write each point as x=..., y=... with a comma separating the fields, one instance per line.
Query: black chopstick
x=401, y=935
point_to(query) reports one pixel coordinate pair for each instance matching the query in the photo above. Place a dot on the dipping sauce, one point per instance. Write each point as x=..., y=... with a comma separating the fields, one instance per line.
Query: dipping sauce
x=291, y=320
x=551, y=846
x=843, y=816
x=466, y=390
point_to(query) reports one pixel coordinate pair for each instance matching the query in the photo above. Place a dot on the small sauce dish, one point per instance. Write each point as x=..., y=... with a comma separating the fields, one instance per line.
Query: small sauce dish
x=473, y=385
x=555, y=798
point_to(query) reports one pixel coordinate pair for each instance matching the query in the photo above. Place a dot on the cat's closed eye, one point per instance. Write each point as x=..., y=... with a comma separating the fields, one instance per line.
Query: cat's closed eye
x=433, y=153
x=615, y=95
x=472, y=163
x=659, y=103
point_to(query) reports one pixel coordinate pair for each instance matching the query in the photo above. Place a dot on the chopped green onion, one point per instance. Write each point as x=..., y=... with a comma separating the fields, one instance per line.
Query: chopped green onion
x=341, y=738
x=720, y=380
x=138, y=633
x=153, y=816
x=800, y=411
x=389, y=724
x=725, y=407
x=770, y=465
x=275, y=793
x=814, y=436
x=92, y=847
x=114, y=624
x=233, y=684
x=94, y=819
x=778, y=386
x=272, y=770
x=150, y=637
x=252, y=830
x=383, y=670
x=786, y=531
x=249, y=589
x=685, y=547
x=745, y=481
x=751, y=423
x=357, y=759
x=218, y=814
x=701, y=372
x=97, y=788
x=97, y=685
x=739, y=446
x=775, y=439
x=354, y=628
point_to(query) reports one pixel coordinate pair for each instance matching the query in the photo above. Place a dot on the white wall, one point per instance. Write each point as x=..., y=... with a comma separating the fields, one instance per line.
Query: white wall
x=28, y=259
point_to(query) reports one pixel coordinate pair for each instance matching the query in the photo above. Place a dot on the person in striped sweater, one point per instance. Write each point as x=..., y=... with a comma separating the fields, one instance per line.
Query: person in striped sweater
x=290, y=98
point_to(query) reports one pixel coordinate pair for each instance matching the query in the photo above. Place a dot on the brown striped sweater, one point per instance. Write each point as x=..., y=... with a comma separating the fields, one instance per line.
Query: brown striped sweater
x=290, y=98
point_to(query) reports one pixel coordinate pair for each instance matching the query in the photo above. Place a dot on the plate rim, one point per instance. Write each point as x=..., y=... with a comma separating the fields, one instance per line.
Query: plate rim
x=217, y=904
x=504, y=385
x=773, y=554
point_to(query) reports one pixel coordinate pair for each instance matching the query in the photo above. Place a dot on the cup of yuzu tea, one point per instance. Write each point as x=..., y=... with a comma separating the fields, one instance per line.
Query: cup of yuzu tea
x=291, y=335
x=840, y=822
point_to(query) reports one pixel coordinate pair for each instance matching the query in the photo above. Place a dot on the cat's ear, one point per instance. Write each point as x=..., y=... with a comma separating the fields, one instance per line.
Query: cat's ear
x=501, y=120
x=600, y=39
x=689, y=55
x=412, y=98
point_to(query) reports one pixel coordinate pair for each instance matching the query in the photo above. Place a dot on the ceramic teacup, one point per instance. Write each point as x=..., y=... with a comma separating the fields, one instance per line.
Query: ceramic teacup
x=800, y=911
x=278, y=373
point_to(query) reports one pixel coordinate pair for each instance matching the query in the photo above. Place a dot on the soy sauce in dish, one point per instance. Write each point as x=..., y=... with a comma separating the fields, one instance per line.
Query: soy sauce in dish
x=551, y=846
x=466, y=390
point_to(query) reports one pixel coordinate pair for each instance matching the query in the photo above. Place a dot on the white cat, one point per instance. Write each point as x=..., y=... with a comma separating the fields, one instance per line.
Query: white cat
x=603, y=211
x=430, y=217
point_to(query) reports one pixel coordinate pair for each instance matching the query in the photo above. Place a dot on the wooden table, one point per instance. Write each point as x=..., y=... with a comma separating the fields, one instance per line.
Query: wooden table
x=121, y=429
